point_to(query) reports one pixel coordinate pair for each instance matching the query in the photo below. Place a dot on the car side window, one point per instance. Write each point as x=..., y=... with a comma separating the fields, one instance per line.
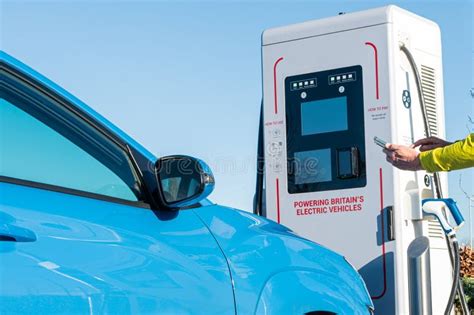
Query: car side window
x=43, y=143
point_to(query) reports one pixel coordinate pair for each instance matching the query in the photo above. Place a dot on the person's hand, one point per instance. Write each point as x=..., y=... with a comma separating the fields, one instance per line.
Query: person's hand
x=403, y=157
x=430, y=143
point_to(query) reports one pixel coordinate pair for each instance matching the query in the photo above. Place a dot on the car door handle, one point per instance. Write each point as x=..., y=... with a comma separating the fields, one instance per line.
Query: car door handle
x=13, y=233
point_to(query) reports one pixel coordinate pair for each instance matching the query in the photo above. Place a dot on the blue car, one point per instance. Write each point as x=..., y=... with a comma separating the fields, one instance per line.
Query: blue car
x=93, y=223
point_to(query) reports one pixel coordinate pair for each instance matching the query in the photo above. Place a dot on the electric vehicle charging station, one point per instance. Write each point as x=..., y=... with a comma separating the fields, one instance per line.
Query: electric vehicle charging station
x=330, y=87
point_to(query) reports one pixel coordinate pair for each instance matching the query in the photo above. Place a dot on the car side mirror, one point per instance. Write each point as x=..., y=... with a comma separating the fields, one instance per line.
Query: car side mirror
x=183, y=180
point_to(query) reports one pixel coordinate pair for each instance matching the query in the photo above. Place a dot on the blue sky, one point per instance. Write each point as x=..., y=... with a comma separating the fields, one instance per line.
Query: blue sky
x=185, y=77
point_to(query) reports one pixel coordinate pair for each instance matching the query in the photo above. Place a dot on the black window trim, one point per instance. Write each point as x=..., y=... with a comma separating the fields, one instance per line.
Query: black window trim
x=31, y=83
x=71, y=191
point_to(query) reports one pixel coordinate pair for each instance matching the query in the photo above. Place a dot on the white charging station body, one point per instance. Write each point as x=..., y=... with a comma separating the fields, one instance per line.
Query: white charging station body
x=329, y=87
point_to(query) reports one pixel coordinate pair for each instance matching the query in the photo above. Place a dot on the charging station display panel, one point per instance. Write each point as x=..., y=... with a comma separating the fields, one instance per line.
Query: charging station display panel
x=316, y=169
x=314, y=116
x=325, y=130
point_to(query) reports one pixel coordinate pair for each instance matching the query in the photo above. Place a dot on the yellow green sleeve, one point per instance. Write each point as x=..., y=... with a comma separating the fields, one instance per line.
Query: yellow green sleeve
x=452, y=157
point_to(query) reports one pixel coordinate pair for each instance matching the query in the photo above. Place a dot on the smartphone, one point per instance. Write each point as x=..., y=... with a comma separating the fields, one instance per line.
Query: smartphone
x=380, y=142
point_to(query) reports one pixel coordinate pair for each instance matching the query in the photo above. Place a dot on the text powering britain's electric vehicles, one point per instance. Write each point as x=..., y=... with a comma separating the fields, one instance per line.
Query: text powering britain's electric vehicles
x=91, y=222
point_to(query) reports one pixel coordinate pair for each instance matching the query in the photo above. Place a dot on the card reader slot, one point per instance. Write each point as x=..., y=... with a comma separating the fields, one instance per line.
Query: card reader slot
x=348, y=165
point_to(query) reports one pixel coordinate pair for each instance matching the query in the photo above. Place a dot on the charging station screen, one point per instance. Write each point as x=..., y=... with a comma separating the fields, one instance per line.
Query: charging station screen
x=313, y=166
x=323, y=116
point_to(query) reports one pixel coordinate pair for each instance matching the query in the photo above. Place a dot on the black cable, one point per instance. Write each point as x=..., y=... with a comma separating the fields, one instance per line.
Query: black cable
x=436, y=181
x=465, y=307
x=456, y=277
x=460, y=289
x=258, y=203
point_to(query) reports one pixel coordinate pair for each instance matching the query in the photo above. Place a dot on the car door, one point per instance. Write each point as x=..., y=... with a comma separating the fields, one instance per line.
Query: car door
x=77, y=233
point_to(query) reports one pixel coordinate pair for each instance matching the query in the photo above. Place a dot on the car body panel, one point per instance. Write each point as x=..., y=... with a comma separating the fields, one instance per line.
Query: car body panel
x=304, y=291
x=261, y=253
x=98, y=256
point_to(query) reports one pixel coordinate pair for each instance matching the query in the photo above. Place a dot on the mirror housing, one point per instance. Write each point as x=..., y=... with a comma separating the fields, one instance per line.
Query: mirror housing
x=184, y=180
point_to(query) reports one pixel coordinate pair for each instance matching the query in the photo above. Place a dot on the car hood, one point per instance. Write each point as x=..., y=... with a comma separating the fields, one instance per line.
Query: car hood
x=257, y=249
